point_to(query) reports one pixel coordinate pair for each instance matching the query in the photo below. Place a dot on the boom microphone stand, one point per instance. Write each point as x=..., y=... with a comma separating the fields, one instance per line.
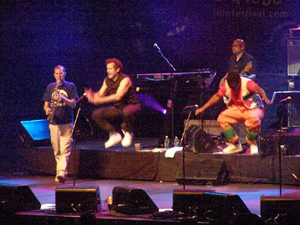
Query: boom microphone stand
x=172, y=89
x=182, y=141
x=283, y=97
x=74, y=139
x=279, y=148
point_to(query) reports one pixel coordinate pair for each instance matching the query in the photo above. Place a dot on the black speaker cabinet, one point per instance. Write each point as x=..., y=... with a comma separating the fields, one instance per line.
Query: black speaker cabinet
x=198, y=141
x=132, y=201
x=282, y=207
x=209, y=204
x=289, y=144
x=70, y=199
x=202, y=171
x=186, y=201
x=17, y=198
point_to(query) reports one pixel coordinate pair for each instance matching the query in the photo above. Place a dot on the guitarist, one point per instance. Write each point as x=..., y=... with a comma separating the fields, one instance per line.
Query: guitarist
x=60, y=100
x=240, y=62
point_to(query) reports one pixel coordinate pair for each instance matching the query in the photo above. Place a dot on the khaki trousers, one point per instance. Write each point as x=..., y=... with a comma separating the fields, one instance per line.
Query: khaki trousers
x=61, y=140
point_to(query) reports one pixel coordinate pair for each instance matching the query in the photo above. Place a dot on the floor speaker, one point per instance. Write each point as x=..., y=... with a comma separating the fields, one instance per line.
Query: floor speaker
x=208, y=205
x=198, y=141
x=280, y=208
x=186, y=201
x=70, y=199
x=203, y=171
x=132, y=201
x=17, y=198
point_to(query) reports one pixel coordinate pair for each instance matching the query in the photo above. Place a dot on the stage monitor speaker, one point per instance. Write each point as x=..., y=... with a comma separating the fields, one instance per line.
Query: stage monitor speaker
x=72, y=199
x=132, y=201
x=203, y=171
x=212, y=205
x=17, y=198
x=293, y=49
x=280, y=208
x=186, y=201
x=198, y=141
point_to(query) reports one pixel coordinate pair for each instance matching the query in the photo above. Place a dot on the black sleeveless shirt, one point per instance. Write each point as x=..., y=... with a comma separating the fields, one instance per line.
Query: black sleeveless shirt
x=128, y=99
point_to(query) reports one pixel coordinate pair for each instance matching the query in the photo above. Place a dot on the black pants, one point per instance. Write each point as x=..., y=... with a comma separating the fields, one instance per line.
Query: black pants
x=110, y=117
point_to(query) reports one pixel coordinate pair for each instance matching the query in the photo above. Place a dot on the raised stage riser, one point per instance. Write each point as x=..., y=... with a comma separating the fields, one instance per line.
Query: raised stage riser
x=101, y=164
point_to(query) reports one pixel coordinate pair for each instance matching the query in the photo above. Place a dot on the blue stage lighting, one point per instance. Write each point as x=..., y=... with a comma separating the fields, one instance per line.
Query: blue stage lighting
x=37, y=129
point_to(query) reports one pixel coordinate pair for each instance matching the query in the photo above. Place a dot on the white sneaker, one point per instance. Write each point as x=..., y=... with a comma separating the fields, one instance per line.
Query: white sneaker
x=253, y=149
x=127, y=139
x=233, y=148
x=114, y=138
x=60, y=177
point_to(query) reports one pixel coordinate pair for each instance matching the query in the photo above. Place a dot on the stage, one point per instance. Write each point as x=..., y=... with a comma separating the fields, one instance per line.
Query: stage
x=161, y=194
x=92, y=160
x=249, y=177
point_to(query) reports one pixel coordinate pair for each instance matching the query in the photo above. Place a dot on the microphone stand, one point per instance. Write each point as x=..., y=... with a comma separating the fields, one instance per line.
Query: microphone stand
x=183, y=144
x=280, y=150
x=172, y=90
x=74, y=140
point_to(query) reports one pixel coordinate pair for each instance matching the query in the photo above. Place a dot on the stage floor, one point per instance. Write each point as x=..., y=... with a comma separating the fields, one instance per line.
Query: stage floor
x=250, y=177
x=161, y=193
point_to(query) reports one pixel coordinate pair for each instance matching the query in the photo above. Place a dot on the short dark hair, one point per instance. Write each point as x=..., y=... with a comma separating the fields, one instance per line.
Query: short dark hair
x=60, y=67
x=241, y=41
x=117, y=62
x=233, y=77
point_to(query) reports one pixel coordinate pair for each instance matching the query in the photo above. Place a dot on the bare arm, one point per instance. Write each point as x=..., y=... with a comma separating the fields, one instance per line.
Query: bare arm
x=262, y=94
x=100, y=98
x=46, y=108
x=213, y=100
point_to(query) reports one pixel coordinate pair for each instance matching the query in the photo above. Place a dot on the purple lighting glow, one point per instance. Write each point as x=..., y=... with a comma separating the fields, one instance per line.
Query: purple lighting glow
x=150, y=102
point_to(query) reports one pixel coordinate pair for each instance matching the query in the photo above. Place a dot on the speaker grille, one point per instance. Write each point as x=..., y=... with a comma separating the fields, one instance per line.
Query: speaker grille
x=17, y=198
x=132, y=201
x=198, y=141
x=216, y=207
x=280, y=206
x=70, y=199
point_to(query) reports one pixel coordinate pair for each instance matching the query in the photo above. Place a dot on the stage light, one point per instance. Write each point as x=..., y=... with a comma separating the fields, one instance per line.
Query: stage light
x=150, y=102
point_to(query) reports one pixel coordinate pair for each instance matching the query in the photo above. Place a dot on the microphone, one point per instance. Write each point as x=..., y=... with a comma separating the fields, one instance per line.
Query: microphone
x=84, y=94
x=191, y=106
x=156, y=46
x=286, y=99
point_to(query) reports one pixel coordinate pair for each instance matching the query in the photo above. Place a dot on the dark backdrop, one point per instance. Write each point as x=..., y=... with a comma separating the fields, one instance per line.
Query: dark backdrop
x=37, y=35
